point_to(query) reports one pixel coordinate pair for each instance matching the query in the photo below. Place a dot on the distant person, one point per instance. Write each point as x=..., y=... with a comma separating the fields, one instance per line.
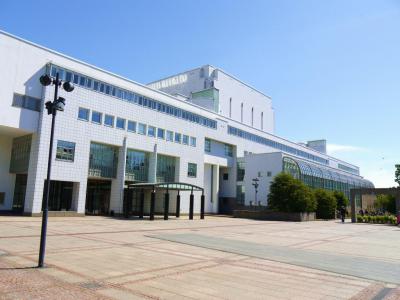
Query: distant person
x=361, y=212
x=343, y=213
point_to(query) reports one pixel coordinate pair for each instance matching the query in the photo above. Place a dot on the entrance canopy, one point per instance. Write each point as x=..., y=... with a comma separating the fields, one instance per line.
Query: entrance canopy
x=171, y=186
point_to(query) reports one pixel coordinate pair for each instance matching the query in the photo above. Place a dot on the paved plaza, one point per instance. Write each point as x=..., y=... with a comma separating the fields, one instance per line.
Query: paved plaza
x=215, y=258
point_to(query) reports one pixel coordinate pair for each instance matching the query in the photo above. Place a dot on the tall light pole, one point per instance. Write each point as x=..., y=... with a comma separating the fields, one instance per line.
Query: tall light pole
x=255, y=184
x=52, y=108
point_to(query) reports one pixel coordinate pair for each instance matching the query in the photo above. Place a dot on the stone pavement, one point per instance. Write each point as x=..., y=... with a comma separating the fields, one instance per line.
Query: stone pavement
x=215, y=258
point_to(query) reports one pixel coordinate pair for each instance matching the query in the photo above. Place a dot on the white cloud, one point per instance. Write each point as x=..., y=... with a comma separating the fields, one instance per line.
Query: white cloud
x=335, y=148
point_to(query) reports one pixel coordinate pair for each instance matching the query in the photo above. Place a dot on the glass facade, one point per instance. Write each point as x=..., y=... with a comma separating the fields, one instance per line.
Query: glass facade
x=165, y=168
x=273, y=144
x=228, y=150
x=20, y=153
x=321, y=177
x=192, y=170
x=65, y=151
x=207, y=145
x=27, y=102
x=103, y=161
x=131, y=97
x=137, y=166
x=240, y=194
x=240, y=170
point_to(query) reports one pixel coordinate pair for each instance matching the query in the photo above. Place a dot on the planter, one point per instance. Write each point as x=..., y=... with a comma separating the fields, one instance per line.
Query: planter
x=274, y=215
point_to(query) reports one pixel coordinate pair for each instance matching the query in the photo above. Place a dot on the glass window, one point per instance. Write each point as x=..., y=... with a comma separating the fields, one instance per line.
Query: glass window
x=151, y=131
x=207, y=145
x=170, y=136
x=120, y=123
x=82, y=81
x=142, y=128
x=102, y=87
x=192, y=141
x=192, y=170
x=83, y=114
x=68, y=76
x=76, y=78
x=65, y=150
x=96, y=117
x=132, y=126
x=185, y=139
x=89, y=82
x=160, y=133
x=228, y=150
x=109, y=120
x=178, y=138
x=96, y=85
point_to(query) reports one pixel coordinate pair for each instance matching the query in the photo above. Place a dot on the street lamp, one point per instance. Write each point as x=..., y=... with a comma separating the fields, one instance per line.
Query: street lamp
x=52, y=107
x=255, y=184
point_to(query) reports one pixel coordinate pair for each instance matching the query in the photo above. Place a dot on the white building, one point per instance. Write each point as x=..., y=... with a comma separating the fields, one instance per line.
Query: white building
x=203, y=128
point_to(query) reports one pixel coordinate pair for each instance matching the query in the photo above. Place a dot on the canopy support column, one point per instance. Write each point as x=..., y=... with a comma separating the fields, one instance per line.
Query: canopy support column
x=166, y=205
x=141, y=206
x=178, y=205
x=191, y=204
x=202, y=206
x=152, y=204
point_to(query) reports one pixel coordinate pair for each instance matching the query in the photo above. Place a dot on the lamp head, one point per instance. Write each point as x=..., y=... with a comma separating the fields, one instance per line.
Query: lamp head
x=68, y=86
x=59, y=104
x=45, y=80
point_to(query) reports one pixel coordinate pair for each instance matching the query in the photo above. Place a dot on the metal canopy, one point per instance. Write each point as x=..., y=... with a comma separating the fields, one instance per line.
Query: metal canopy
x=172, y=186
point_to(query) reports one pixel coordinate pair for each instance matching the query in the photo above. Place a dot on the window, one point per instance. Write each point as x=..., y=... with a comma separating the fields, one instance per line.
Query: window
x=178, y=138
x=170, y=136
x=160, y=133
x=132, y=126
x=228, y=150
x=142, y=128
x=185, y=139
x=225, y=176
x=27, y=102
x=109, y=120
x=83, y=114
x=269, y=174
x=96, y=117
x=192, y=170
x=65, y=150
x=120, y=123
x=207, y=145
x=151, y=131
x=192, y=141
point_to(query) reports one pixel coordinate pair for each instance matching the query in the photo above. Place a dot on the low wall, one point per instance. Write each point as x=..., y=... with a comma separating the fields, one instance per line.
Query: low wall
x=274, y=215
x=57, y=214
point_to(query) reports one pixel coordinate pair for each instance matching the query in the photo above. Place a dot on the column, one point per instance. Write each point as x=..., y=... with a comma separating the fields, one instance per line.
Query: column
x=141, y=206
x=166, y=205
x=202, y=206
x=118, y=184
x=191, y=204
x=152, y=204
x=178, y=205
x=153, y=165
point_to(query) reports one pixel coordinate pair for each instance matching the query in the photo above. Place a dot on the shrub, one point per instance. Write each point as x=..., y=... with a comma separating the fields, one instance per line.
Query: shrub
x=360, y=219
x=341, y=199
x=386, y=203
x=326, y=204
x=288, y=194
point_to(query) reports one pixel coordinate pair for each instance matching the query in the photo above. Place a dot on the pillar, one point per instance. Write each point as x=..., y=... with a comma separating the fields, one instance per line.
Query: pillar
x=166, y=205
x=202, y=206
x=152, y=204
x=141, y=205
x=178, y=205
x=191, y=203
x=353, y=205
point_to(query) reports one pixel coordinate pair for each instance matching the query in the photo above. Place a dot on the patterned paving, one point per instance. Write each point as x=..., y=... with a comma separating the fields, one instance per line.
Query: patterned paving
x=215, y=258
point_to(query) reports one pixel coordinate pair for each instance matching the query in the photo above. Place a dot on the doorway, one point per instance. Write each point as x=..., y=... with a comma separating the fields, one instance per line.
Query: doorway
x=98, y=197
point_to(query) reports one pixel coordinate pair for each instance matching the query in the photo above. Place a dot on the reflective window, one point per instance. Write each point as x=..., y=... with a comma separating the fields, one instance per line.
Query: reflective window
x=83, y=114
x=120, y=123
x=192, y=170
x=151, y=131
x=228, y=150
x=132, y=126
x=65, y=150
x=170, y=136
x=137, y=166
x=160, y=133
x=109, y=120
x=96, y=117
x=185, y=139
x=142, y=128
x=192, y=141
x=178, y=137
x=207, y=145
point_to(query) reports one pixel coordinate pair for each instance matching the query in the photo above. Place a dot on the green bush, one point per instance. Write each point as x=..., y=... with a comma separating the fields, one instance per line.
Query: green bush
x=386, y=203
x=360, y=219
x=326, y=204
x=288, y=194
x=341, y=199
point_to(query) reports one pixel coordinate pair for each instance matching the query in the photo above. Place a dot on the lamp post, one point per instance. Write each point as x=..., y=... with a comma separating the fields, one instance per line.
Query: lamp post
x=255, y=184
x=52, y=108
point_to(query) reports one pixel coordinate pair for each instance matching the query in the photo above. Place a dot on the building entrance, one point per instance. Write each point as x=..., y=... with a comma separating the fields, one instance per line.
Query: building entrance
x=98, y=197
x=19, y=192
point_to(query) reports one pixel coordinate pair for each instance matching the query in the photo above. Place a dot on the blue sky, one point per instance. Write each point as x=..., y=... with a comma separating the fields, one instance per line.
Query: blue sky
x=332, y=68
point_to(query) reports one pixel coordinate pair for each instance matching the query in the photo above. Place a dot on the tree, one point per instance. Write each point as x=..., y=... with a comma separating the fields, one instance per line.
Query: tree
x=397, y=174
x=326, y=204
x=288, y=194
x=341, y=199
x=386, y=203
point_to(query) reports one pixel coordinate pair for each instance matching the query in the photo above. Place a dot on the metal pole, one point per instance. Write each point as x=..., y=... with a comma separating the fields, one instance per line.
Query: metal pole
x=202, y=206
x=45, y=209
x=178, y=205
x=166, y=205
x=152, y=204
x=141, y=208
x=191, y=204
